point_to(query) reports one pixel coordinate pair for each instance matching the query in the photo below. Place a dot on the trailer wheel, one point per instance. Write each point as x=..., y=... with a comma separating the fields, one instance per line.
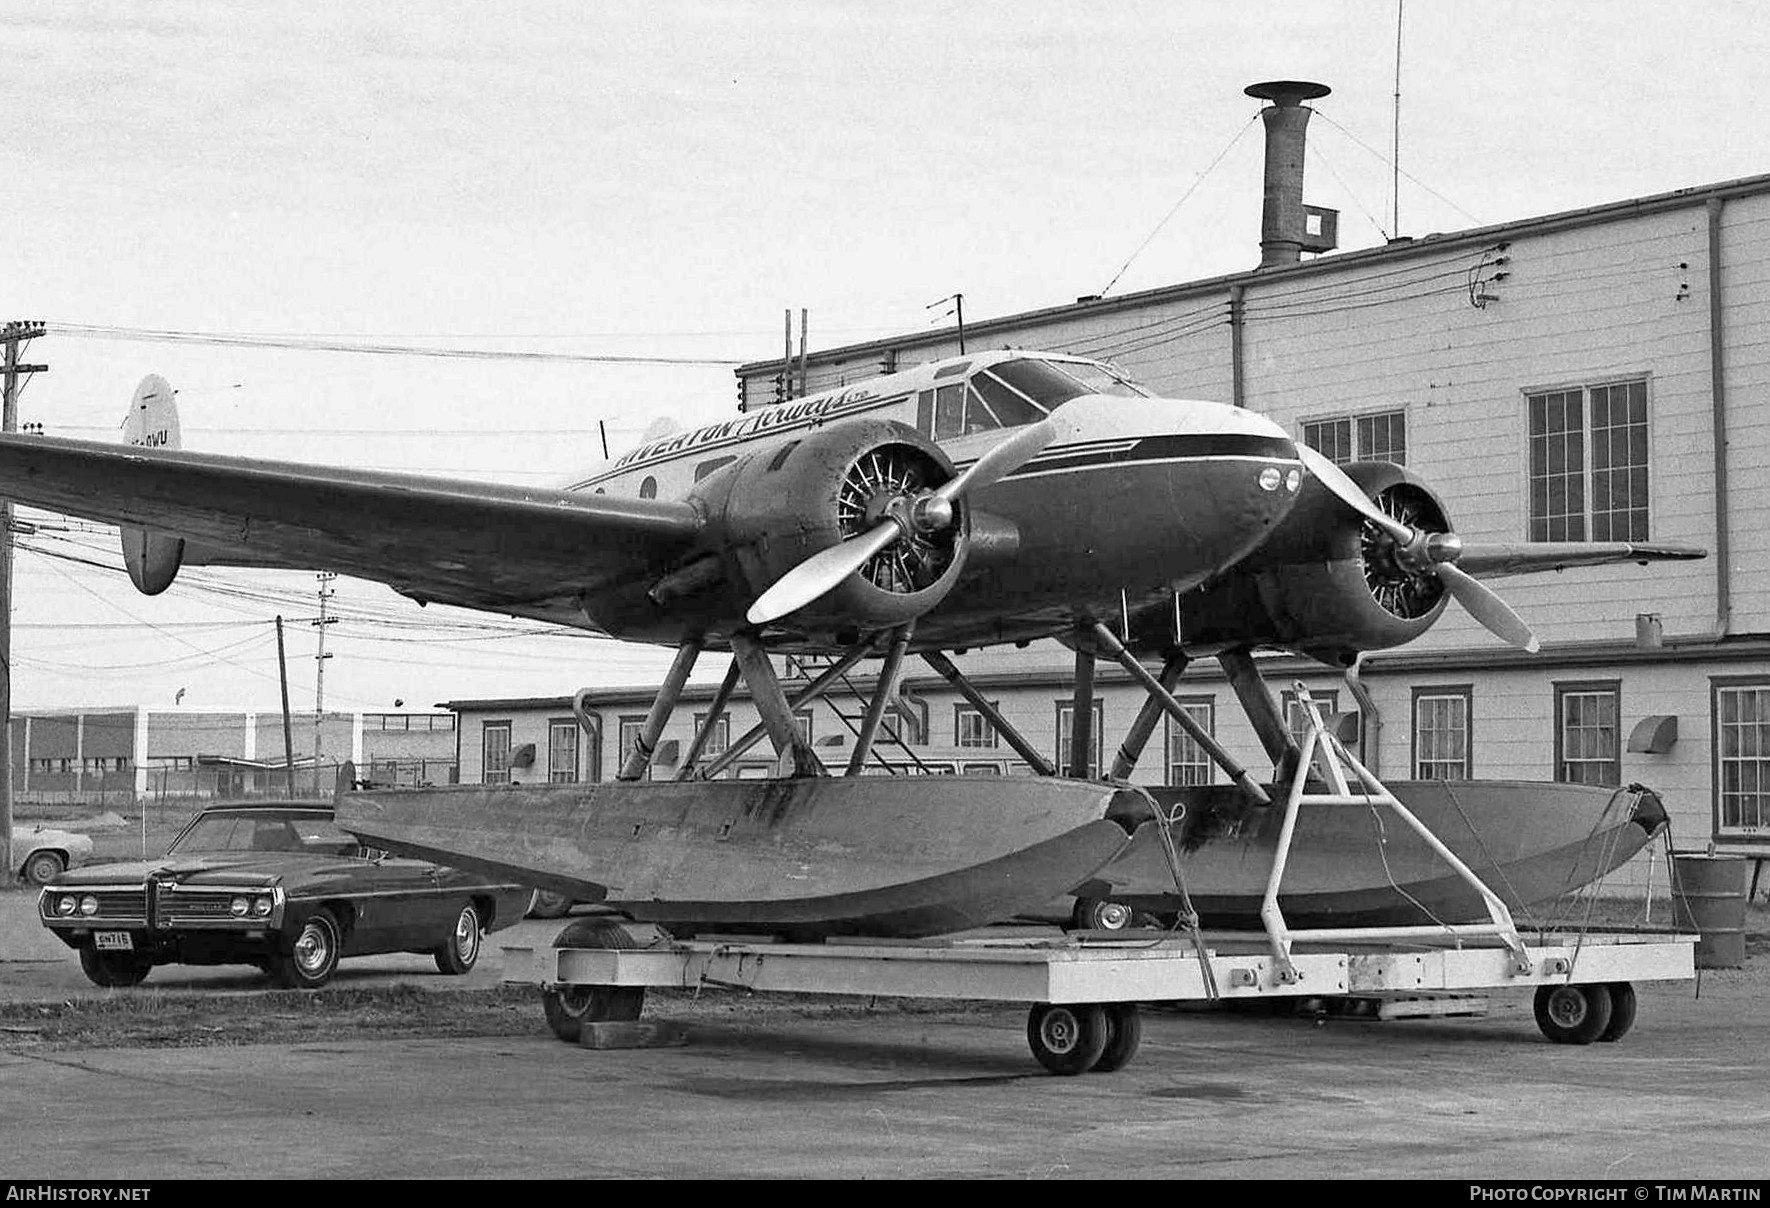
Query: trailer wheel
x=1573, y=1014
x=1100, y=914
x=1067, y=1038
x=568, y=1008
x=1124, y=1032
x=1622, y=1011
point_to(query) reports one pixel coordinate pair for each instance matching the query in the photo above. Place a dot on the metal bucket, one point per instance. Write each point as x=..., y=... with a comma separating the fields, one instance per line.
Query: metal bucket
x=1708, y=897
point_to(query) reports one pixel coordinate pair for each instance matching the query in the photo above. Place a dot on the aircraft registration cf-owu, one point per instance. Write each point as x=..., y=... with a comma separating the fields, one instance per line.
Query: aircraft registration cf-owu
x=1004, y=496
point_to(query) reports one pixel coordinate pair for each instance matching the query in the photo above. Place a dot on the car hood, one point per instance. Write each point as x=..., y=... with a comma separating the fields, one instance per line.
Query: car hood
x=209, y=868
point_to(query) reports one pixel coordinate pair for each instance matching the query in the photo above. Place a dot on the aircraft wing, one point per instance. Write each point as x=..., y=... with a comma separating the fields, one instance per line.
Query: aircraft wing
x=1490, y=559
x=452, y=541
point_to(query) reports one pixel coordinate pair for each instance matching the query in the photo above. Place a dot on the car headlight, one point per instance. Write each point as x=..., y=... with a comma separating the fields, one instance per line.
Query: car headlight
x=89, y=905
x=66, y=905
x=261, y=906
x=238, y=907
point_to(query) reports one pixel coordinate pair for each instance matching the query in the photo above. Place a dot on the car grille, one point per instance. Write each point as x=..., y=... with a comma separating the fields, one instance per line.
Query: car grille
x=186, y=906
x=115, y=906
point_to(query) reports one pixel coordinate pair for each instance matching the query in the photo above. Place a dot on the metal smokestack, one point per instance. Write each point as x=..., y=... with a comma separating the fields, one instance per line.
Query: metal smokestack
x=1284, y=234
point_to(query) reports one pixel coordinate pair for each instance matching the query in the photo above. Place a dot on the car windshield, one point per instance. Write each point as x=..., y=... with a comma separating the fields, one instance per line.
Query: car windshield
x=264, y=831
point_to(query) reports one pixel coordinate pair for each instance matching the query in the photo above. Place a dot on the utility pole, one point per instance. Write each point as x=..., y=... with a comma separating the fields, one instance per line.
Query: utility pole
x=319, y=680
x=288, y=735
x=12, y=335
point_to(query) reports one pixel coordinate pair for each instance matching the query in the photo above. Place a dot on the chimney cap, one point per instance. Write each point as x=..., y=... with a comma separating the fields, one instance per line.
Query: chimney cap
x=1284, y=93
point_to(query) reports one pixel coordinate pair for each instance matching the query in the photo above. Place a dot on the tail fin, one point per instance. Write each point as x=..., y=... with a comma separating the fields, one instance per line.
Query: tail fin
x=152, y=558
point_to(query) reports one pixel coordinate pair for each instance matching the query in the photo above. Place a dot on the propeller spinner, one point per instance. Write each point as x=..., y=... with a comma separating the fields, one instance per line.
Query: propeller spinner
x=904, y=517
x=1420, y=553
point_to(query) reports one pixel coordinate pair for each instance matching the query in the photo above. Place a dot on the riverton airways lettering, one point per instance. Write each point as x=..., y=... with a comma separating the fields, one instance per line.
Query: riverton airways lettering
x=787, y=415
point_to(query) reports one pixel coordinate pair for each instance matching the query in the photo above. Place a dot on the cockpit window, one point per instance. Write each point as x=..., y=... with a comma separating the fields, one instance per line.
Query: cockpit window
x=1005, y=406
x=1051, y=383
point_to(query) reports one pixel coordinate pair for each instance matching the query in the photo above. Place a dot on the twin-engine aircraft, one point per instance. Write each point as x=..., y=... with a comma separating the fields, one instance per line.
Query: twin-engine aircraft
x=1000, y=497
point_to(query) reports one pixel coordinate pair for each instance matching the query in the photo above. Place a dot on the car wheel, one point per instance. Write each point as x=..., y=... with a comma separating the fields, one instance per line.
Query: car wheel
x=461, y=950
x=114, y=968
x=313, y=956
x=545, y=904
x=43, y=867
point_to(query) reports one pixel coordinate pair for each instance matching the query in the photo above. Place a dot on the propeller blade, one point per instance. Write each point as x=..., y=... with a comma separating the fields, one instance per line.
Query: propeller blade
x=820, y=573
x=1340, y=483
x=1001, y=460
x=1486, y=607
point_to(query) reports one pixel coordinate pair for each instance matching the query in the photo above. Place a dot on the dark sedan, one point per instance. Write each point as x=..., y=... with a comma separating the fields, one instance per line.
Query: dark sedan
x=276, y=885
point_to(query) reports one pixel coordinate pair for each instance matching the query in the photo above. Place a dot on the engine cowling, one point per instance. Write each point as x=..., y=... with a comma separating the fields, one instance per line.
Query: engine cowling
x=1326, y=584
x=772, y=510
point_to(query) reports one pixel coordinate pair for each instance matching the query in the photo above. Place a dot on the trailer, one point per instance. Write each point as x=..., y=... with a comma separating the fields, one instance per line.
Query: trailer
x=1085, y=990
x=1085, y=987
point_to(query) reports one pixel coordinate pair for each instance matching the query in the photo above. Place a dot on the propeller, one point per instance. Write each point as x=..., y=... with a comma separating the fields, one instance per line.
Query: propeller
x=1423, y=553
x=904, y=516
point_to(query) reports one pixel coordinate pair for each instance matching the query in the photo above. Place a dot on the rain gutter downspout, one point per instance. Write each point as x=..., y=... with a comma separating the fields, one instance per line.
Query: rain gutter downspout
x=1718, y=404
x=1372, y=724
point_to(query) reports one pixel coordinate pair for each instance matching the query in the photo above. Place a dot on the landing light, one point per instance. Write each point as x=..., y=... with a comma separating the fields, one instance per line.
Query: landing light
x=1293, y=480
x=1270, y=478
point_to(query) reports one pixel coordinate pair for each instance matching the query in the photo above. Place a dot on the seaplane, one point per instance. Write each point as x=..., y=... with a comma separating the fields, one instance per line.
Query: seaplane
x=999, y=497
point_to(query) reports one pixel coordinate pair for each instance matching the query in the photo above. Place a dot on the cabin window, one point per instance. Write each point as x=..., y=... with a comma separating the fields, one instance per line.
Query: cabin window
x=1005, y=406
x=1588, y=463
x=1187, y=761
x=1377, y=436
x=708, y=467
x=562, y=751
x=649, y=488
x=1442, y=732
x=1588, y=749
x=1065, y=714
x=494, y=765
x=971, y=728
x=1742, y=757
x=949, y=411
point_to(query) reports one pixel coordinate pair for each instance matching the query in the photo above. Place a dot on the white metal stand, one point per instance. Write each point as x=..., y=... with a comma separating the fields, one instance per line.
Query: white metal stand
x=1334, y=760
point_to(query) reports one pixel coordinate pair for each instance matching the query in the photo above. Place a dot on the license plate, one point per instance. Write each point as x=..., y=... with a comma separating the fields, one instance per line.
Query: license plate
x=113, y=941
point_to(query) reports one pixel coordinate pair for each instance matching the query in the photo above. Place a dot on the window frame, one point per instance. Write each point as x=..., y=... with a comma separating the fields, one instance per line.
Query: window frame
x=1173, y=732
x=488, y=774
x=1717, y=685
x=1359, y=425
x=1463, y=692
x=1568, y=688
x=575, y=772
x=990, y=739
x=1098, y=756
x=1588, y=513
x=629, y=727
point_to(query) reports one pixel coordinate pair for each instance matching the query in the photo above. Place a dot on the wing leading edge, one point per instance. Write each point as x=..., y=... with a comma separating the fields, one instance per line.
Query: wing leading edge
x=452, y=541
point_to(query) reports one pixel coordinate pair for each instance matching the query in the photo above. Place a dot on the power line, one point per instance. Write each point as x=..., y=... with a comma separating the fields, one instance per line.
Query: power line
x=96, y=331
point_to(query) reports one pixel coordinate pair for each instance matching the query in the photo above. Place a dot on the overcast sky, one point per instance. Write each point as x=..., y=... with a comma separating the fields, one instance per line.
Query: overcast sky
x=663, y=179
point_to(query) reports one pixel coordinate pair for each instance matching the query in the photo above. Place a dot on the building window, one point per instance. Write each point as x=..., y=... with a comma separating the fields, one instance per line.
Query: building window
x=1586, y=746
x=1588, y=463
x=1187, y=761
x=1441, y=733
x=1378, y=436
x=971, y=728
x=720, y=736
x=1296, y=718
x=562, y=751
x=905, y=723
x=631, y=729
x=1742, y=757
x=1065, y=712
x=495, y=753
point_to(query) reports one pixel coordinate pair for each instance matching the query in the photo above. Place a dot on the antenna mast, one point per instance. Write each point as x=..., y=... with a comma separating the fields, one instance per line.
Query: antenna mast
x=1395, y=157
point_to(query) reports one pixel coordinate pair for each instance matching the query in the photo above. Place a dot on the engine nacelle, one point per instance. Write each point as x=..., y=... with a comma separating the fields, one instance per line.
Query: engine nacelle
x=1325, y=584
x=772, y=510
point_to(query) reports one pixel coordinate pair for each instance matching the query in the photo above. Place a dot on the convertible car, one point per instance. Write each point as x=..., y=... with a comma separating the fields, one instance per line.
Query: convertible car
x=276, y=885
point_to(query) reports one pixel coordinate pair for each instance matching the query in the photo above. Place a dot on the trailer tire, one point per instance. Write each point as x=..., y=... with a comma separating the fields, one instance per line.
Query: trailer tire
x=1067, y=1038
x=1622, y=1012
x=569, y=1008
x=1569, y=1014
x=1124, y=1032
